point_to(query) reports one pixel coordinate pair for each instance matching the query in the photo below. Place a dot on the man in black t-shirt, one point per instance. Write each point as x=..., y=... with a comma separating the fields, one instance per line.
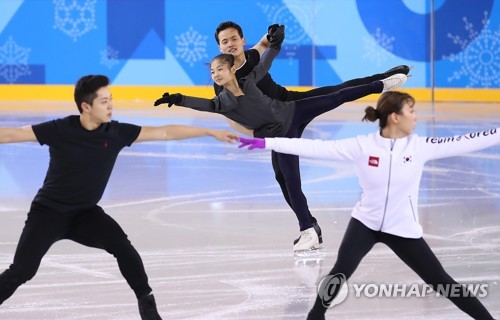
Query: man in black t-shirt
x=83, y=150
x=229, y=37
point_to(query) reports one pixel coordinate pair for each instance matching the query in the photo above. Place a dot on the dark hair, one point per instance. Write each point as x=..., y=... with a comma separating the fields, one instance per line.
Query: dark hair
x=225, y=58
x=388, y=103
x=226, y=25
x=86, y=89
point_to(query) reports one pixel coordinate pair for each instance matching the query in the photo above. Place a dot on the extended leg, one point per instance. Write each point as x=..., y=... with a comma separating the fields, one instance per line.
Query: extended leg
x=320, y=91
x=357, y=242
x=290, y=169
x=96, y=229
x=308, y=109
x=420, y=258
x=41, y=230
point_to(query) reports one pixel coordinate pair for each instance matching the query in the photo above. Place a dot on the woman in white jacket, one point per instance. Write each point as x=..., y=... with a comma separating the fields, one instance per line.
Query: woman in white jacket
x=389, y=165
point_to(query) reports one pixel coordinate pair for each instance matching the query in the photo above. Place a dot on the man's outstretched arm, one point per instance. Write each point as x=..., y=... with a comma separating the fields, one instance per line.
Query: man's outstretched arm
x=11, y=135
x=262, y=45
x=180, y=132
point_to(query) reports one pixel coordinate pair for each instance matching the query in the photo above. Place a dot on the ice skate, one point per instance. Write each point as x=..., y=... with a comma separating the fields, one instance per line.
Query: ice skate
x=308, y=244
x=147, y=308
x=394, y=81
x=312, y=254
x=399, y=69
x=310, y=257
x=318, y=232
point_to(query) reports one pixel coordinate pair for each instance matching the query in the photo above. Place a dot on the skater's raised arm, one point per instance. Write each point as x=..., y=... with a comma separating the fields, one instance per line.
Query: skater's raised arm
x=265, y=41
x=262, y=45
x=268, y=57
x=11, y=135
x=180, y=132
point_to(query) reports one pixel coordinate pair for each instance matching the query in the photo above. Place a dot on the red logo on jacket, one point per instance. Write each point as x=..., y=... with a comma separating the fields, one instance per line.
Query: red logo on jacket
x=373, y=161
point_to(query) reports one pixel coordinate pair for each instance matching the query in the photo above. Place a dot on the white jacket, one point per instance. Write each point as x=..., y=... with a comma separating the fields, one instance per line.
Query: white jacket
x=389, y=171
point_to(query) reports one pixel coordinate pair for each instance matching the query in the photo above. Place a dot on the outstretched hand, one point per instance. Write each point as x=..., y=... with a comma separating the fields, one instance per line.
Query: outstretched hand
x=225, y=136
x=170, y=99
x=253, y=143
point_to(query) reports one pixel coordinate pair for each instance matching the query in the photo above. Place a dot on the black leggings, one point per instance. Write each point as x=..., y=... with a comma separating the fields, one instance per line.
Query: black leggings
x=92, y=228
x=298, y=95
x=358, y=241
x=321, y=91
x=286, y=166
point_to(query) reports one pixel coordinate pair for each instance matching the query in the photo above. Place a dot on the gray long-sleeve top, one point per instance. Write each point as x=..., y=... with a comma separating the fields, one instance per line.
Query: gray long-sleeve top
x=253, y=110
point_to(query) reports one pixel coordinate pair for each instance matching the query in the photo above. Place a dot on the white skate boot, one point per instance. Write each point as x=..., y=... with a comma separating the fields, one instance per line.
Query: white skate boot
x=308, y=244
x=394, y=81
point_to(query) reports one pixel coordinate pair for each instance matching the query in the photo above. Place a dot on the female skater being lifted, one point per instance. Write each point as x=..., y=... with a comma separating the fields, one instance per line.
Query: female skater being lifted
x=243, y=102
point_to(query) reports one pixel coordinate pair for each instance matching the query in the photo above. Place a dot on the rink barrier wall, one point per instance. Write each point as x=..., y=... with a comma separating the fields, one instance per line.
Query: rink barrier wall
x=141, y=94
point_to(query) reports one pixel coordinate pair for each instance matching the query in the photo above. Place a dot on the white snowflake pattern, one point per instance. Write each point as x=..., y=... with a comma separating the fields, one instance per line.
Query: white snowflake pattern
x=75, y=17
x=296, y=19
x=479, y=57
x=13, y=61
x=294, y=22
x=109, y=57
x=378, y=47
x=191, y=46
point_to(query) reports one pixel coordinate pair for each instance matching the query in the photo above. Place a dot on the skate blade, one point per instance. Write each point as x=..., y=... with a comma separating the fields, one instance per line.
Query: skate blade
x=310, y=254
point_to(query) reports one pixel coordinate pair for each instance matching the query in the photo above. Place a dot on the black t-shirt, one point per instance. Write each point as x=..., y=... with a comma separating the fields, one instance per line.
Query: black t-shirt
x=266, y=84
x=81, y=161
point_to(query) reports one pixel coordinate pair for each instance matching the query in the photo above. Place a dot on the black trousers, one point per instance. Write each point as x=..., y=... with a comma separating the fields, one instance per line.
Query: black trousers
x=287, y=167
x=92, y=228
x=358, y=241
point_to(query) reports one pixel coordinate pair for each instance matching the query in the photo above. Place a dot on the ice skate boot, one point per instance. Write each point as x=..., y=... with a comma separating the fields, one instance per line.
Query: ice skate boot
x=147, y=308
x=394, y=82
x=318, y=232
x=308, y=244
x=399, y=69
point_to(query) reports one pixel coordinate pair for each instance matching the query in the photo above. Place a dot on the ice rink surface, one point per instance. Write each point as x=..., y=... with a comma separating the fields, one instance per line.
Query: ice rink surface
x=216, y=235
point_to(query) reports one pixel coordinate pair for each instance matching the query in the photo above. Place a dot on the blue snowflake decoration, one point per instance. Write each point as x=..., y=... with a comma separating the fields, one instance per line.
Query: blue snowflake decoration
x=480, y=56
x=13, y=61
x=109, y=57
x=75, y=17
x=378, y=47
x=191, y=46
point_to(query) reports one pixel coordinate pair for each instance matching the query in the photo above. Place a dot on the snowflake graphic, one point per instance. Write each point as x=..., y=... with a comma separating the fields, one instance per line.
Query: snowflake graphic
x=109, y=57
x=294, y=22
x=191, y=46
x=378, y=47
x=480, y=56
x=13, y=61
x=75, y=18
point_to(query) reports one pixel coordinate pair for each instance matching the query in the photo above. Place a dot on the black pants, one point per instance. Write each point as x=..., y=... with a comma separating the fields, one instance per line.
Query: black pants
x=92, y=228
x=358, y=241
x=286, y=166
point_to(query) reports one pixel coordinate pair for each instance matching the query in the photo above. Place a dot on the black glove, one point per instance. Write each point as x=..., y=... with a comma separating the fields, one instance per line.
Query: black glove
x=171, y=99
x=277, y=38
x=270, y=30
